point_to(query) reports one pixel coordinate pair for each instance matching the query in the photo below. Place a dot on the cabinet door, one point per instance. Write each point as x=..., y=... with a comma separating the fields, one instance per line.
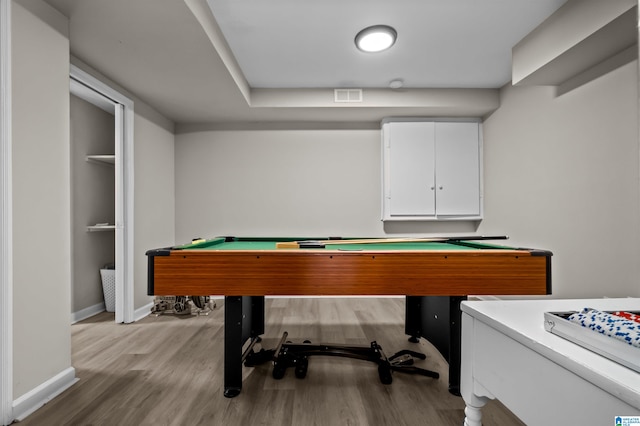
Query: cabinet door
x=411, y=169
x=457, y=169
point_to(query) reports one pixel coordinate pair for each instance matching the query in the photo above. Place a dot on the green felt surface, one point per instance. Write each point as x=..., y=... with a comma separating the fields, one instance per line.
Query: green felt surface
x=270, y=244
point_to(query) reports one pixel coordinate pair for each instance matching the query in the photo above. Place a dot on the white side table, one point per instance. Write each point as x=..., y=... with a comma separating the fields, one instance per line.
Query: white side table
x=542, y=378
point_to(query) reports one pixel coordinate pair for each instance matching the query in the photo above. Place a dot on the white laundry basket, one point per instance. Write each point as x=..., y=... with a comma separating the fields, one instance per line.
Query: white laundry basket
x=109, y=288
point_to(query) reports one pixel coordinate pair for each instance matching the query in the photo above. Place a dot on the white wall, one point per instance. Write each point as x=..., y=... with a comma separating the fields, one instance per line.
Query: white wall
x=278, y=183
x=41, y=196
x=561, y=173
x=154, y=192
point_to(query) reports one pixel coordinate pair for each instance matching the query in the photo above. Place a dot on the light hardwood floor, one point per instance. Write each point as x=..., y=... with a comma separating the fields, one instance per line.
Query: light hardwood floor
x=168, y=370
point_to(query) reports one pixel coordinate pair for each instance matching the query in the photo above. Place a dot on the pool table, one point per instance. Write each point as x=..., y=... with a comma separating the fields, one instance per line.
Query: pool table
x=435, y=276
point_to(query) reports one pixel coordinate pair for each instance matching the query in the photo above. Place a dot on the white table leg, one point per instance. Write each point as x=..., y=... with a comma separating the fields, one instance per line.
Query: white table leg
x=473, y=416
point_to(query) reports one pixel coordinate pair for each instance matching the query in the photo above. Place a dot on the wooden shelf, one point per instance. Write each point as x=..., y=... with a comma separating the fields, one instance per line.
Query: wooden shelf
x=104, y=159
x=100, y=228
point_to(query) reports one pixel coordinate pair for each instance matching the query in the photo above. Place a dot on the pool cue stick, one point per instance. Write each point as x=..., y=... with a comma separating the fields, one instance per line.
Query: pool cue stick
x=383, y=240
x=297, y=244
x=318, y=244
x=413, y=239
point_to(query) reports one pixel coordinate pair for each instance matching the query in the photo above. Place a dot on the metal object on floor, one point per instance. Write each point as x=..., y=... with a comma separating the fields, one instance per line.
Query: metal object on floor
x=288, y=354
x=183, y=305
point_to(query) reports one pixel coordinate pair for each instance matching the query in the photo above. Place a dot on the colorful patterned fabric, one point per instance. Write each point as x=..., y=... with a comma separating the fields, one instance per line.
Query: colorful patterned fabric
x=618, y=327
x=628, y=315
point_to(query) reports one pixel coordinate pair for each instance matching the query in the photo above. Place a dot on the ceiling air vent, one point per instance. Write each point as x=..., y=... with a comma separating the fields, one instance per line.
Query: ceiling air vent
x=347, y=95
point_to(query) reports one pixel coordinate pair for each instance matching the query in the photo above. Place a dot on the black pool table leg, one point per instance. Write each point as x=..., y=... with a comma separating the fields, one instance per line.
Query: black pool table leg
x=455, y=355
x=413, y=317
x=439, y=320
x=232, y=346
x=243, y=320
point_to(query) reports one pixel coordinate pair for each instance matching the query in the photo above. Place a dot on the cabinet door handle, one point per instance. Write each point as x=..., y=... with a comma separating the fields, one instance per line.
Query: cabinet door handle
x=440, y=187
x=433, y=187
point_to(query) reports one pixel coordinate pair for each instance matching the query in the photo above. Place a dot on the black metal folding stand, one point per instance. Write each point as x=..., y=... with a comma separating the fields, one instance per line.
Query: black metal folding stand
x=288, y=354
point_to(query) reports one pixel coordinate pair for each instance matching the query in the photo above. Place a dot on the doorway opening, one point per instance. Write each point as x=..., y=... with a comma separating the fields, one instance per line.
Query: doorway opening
x=116, y=225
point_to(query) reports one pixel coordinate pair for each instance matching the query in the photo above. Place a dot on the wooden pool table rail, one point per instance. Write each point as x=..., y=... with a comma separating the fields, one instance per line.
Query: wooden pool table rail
x=336, y=272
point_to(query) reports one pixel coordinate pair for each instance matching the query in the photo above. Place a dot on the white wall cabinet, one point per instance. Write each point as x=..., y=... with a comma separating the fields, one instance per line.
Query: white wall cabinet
x=431, y=170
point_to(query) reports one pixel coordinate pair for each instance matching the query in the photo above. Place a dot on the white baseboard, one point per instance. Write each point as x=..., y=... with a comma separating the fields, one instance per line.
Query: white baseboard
x=142, y=312
x=37, y=397
x=100, y=307
x=87, y=312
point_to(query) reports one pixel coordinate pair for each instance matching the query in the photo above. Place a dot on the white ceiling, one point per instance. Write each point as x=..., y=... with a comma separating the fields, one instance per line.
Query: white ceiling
x=165, y=51
x=441, y=43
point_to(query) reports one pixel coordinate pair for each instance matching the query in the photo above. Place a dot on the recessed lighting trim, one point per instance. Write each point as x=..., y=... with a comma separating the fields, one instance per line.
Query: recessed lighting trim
x=376, y=38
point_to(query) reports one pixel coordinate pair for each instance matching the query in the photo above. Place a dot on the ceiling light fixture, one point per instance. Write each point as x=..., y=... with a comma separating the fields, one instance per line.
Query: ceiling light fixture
x=396, y=84
x=376, y=38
